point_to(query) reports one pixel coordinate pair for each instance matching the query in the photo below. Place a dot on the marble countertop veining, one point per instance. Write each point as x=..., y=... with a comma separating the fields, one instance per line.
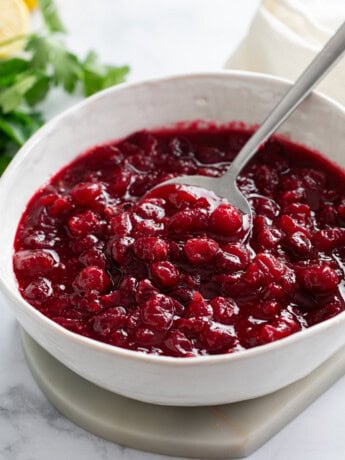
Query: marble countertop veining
x=156, y=38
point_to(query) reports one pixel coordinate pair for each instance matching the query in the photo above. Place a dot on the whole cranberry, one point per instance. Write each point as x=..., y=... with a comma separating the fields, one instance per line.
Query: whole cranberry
x=198, y=307
x=158, y=312
x=217, y=338
x=86, y=193
x=150, y=249
x=35, y=261
x=178, y=344
x=225, y=220
x=82, y=224
x=120, y=249
x=279, y=328
x=318, y=279
x=200, y=250
x=106, y=322
x=232, y=257
x=165, y=274
x=92, y=278
x=189, y=221
x=328, y=239
x=39, y=290
x=121, y=225
x=144, y=291
x=224, y=310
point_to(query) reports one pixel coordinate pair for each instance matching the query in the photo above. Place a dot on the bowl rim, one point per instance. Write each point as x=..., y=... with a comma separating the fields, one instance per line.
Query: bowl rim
x=124, y=353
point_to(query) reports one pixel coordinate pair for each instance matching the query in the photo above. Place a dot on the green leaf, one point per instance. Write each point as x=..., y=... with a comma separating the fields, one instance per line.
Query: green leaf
x=41, y=51
x=13, y=130
x=33, y=119
x=5, y=159
x=39, y=90
x=51, y=16
x=7, y=80
x=49, y=52
x=13, y=96
x=13, y=66
x=97, y=76
x=26, y=81
x=115, y=75
x=9, y=70
x=67, y=69
x=19, y=126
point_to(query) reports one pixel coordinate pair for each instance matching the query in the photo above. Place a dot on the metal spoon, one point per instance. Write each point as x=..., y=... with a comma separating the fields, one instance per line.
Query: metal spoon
x=226, y=186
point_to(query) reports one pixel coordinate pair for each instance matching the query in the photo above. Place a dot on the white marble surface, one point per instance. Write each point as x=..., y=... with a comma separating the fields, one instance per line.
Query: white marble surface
x=157, y=38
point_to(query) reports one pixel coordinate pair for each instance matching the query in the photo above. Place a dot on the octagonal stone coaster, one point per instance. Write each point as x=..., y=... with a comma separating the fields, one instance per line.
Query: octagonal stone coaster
x=232, y=430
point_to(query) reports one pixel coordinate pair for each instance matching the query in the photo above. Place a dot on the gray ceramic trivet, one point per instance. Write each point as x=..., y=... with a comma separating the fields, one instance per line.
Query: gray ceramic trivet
x=232, y=430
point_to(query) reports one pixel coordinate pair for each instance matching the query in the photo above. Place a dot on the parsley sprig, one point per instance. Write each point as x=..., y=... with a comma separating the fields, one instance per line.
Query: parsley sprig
x=26, y=80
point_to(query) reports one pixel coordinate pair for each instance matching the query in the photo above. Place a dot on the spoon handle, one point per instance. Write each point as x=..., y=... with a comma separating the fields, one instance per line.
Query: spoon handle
x=320, y=65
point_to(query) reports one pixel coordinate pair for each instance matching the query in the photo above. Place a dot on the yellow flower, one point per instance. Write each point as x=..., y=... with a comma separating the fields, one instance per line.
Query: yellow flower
x=14, y=22
x=31, y=4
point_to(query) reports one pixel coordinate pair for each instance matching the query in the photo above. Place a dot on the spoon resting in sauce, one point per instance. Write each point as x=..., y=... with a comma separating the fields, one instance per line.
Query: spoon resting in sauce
x=226, y=185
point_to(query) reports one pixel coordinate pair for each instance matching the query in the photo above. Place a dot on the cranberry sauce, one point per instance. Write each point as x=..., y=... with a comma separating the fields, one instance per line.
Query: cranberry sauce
x=168, y=273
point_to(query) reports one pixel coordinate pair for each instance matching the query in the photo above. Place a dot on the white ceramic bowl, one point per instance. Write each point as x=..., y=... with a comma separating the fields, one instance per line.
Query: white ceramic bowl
x=222, y=96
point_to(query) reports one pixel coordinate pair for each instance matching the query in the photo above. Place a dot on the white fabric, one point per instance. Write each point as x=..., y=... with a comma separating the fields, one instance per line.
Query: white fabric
x=284, y=37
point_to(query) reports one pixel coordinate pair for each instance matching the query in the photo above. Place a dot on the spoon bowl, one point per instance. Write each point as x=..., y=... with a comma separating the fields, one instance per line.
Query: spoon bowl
x=220, y=186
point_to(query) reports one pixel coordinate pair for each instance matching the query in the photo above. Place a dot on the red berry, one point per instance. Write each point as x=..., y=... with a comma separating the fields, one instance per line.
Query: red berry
x=127, y=291
x=233, y=257
x=318, y=279
x=61, y=206
x=35, y=261
x=209, y=155
x=266, y=179
x=266, y=268
x=289, y=226
x=83, y=224
x=328, y=239
x=198, y=307
x=148, y=228
x=181, y=196
x=189, y=221
x=93, y=256
x=200, y=250
x=106, y=322
x=151, y=208
x=39, y=290
x=218, y=338
x=158, y=312
x=119, y=338
x=150, y=249
x=224, y=310
x=120, y=181
x=298, y=243
x=86, y=193
x=121, y=224
x=92, y=278
x=300, y=212
x=269, y=238
x=178, y=344
x=269, y=309
x=165, y=273
x=121, y=248
x=79, y=245
x=144, y=291
x=279, y=328
x=225, y=220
